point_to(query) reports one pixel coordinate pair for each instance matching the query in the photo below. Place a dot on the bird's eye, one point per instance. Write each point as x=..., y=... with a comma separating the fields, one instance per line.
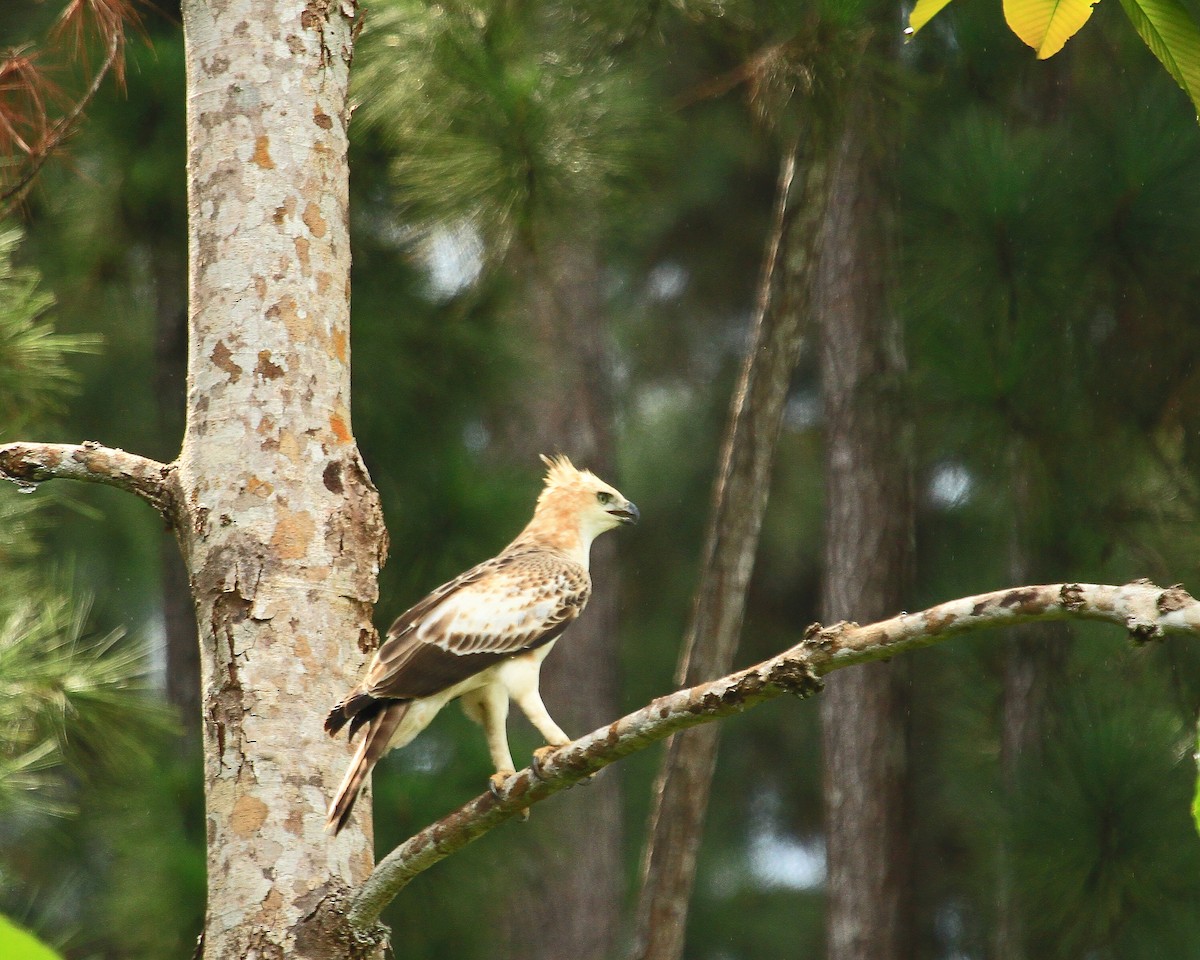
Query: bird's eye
x=604, y=496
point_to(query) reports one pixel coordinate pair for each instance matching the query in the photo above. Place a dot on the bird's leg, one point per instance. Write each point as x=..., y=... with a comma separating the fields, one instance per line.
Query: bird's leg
x=530, y=702
x=488, y=707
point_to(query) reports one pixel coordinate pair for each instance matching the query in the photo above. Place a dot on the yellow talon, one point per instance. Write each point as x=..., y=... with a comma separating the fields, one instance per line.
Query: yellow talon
x=497, y=781
x=539, y=758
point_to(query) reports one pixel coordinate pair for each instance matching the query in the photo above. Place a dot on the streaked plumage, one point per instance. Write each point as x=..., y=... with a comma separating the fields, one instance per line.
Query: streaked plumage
x=483, y=635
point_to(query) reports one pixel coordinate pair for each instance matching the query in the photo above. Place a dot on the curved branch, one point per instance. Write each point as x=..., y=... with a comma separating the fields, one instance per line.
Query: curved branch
x=1147, y=611
x=28, y=464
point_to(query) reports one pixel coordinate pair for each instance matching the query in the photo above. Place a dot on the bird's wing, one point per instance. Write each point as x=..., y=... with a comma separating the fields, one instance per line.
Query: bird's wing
x=514, y=602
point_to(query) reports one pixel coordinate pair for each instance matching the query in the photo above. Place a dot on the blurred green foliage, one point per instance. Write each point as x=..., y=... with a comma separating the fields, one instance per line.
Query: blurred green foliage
x=502, y=115
x=34, y=374
x=75, y=715
x=1047, y=219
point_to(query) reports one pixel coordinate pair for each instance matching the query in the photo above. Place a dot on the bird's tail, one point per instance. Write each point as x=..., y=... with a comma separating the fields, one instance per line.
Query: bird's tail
x=374, y=745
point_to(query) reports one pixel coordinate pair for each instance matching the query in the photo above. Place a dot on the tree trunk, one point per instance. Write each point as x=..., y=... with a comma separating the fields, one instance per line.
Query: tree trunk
x=278, y=521
x=1034, y=664
x=571, y=876
x=1035, y=661
x=868, y=558
x=684, y=780
x=180, y=641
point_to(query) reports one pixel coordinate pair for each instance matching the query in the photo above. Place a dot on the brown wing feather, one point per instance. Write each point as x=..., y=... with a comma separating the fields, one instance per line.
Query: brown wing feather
x=434, y=645
x=419, y=659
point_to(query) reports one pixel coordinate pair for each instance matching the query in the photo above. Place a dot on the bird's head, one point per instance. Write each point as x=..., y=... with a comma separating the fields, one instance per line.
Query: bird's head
x=581, y=499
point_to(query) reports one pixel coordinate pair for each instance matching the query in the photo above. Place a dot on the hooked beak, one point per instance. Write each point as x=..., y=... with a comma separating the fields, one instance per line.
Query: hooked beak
x=627, y=513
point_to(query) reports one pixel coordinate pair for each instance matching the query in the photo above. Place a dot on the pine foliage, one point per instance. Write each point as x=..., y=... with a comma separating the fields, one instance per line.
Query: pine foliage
x=500, y=114
x=34, y=375
x=68, y=701
x=1103, y=843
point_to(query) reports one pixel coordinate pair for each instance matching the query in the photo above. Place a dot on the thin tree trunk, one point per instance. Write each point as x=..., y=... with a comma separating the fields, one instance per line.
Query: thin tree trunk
x=1033, y=668
x=278, y=522
x=180, y=640
x=571, y=876
x=739, y=502
x=1034, y=662
x=868, y=559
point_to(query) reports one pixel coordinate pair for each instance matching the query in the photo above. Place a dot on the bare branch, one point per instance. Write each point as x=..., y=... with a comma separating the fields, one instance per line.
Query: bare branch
x=1147, y=611
x=28, y=464
x=568, y=765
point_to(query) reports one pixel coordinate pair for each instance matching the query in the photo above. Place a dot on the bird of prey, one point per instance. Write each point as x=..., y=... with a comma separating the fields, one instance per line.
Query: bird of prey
x=482, y=636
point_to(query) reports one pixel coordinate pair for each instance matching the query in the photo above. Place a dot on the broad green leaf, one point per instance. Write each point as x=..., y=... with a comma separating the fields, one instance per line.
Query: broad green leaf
x=1046, y=25
x=16, y=944
x=922, y=13
x=1172, y=36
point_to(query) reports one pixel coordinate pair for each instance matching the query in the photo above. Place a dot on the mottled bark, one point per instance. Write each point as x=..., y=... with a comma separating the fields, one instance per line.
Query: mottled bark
x=278, y=522
x=568, y=886
x=739, y=502
x=280, y=525
x=1146, y=611
x=868, y=558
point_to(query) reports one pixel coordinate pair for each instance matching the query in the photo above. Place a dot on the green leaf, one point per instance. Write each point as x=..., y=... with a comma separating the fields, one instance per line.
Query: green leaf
x=16, y=944
x=1172, y=36
x=1196, y=798
x=1046, y=25
x=922, y=13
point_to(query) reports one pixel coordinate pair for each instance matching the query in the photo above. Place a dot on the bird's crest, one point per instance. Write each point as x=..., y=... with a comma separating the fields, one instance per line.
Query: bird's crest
x=560, y=472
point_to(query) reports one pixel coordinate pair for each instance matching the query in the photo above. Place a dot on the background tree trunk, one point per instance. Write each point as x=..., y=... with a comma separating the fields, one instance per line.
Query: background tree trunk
x=180, y=640
x=1035, y=661
x=681, y=790
x=868, y=562
x=571, y=877
x=279, y=524
x=1034, y=664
